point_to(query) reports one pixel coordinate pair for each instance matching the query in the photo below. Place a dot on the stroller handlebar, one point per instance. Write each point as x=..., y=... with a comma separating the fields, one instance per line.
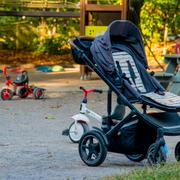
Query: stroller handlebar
x=73, y=45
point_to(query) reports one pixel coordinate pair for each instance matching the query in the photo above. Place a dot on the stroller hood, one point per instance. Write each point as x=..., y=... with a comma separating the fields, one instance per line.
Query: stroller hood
x=123, y=33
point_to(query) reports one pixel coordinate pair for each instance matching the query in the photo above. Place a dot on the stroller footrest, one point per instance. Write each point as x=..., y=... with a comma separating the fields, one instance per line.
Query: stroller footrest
x=168, y=121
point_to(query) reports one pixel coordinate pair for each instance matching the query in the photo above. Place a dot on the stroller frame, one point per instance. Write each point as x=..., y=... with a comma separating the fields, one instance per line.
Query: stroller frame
x=154, y=151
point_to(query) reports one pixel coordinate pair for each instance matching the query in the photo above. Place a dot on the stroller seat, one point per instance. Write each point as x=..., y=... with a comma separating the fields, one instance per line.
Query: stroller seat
x=22, y=78
x=124, y=63
x=168, y=99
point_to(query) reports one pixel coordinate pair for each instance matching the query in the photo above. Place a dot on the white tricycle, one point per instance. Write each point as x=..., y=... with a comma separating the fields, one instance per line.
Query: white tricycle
x=81, y=123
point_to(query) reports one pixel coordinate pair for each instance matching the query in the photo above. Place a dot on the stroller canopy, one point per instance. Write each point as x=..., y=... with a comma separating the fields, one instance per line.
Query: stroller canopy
x=125, y=34
x=122, y=42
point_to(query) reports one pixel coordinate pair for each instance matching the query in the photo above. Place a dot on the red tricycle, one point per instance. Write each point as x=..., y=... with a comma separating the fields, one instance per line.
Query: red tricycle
x=20, y=87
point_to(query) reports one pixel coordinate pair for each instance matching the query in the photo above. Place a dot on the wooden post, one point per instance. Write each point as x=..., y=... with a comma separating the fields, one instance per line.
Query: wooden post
x=82, y=31
x=124, y=12
x=82, y=17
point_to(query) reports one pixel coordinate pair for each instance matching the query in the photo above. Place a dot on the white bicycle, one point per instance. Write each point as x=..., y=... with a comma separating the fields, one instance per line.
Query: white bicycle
x=81, y=123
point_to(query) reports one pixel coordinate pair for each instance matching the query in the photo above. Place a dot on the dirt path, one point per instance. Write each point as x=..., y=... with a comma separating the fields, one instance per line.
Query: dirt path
x=31, y=144
x=32, y=147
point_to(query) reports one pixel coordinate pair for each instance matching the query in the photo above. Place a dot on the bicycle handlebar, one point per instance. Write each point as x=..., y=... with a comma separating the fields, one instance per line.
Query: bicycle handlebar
x=86, y=91
x=98, y=91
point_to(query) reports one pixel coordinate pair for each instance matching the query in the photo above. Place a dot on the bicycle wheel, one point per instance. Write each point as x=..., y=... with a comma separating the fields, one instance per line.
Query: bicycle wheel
x=76, y=130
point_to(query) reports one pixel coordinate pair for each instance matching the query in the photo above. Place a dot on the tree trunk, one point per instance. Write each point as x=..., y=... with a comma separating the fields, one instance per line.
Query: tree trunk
x=134, y=9
x=165, y=39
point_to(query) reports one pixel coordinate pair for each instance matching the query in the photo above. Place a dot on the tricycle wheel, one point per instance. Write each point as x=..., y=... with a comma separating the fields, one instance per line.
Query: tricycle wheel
x=38, y=93
x=136, y=157
x=23, y=92
x=92, y=148
x=6, y=94
x=156, y=158
x=76, y=130
x=177, y=151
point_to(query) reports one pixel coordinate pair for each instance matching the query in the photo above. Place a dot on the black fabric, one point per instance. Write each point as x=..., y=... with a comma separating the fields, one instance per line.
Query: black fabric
x=84, y=44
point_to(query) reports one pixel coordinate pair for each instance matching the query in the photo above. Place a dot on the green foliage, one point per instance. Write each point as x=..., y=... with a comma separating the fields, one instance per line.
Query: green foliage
x=156, y=15
x=54, y=39
x=43, y=35
x=50, y=35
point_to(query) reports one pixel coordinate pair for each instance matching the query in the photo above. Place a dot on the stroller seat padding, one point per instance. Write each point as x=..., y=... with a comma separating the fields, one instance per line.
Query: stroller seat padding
x=168, y=99
x=128, y=67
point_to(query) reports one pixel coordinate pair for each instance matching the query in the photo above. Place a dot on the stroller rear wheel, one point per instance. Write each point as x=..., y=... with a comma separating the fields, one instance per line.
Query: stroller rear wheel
x=76, y=130
x=136, y=157
x=177, y=151
x=156, y=158
x=92, y=149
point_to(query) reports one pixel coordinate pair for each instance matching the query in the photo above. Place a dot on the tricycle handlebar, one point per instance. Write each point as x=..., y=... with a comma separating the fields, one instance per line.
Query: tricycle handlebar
x=86, y=91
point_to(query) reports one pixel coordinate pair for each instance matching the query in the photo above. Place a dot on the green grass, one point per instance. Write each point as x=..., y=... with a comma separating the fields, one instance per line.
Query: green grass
x=167, y=172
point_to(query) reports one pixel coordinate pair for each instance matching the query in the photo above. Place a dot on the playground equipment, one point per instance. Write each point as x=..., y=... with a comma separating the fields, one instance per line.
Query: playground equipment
x=20, y=87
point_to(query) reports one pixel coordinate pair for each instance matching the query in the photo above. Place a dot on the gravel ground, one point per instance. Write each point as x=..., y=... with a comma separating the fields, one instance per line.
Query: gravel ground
x=31, y=144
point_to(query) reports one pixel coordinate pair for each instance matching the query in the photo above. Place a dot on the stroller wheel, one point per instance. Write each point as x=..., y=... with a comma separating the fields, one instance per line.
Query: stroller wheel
x=76, y=130
x=6, y=94
x=38, y=93
x=23, y=92
x=92, y=149
x=136, y=157
x=156, y=158
x=177, y=151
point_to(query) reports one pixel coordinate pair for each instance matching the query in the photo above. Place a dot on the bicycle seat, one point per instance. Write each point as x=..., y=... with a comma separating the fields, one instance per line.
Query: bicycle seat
x=22, y=78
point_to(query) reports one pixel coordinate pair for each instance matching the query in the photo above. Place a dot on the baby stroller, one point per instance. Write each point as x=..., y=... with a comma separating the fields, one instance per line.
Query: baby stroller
x=118, y=57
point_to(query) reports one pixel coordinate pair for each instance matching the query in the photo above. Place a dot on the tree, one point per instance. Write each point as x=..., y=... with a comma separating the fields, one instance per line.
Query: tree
x=160, y=18
x=134, y=9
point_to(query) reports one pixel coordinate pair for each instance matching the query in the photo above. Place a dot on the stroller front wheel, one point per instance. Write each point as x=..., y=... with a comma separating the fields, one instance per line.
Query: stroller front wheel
x=92, y=149
x=76, y=130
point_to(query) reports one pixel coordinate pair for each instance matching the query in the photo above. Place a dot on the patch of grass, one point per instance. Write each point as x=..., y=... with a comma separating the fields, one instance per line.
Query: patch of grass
x=167, y=172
